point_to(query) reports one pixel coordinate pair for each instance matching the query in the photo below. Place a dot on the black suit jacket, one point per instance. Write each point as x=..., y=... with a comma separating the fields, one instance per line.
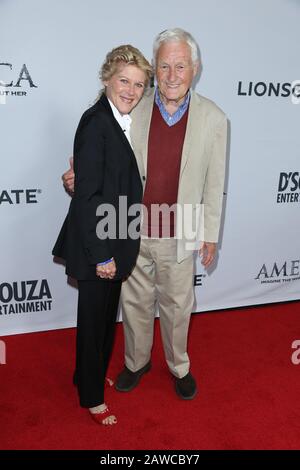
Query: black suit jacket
x=105, y=169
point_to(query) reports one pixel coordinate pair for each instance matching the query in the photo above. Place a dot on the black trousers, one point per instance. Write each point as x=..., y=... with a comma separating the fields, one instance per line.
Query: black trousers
x=96, y=320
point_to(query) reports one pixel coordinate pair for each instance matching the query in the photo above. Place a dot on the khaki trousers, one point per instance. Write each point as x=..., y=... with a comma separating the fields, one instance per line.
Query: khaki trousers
x=158, y=279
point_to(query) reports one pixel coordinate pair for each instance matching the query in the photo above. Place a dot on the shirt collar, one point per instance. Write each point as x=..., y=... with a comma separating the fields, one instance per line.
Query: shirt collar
x=174, y=118
x=123, y=119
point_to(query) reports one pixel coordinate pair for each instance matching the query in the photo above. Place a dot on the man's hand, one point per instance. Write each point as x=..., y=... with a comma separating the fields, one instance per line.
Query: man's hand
x=207, y=253
x=107, y=271
x=68, y=178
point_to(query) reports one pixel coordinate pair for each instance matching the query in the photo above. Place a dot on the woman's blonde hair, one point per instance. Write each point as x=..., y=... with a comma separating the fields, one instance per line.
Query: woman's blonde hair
x=128, y=55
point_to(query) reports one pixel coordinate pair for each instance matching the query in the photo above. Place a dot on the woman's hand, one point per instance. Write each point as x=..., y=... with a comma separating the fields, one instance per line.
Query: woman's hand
x=106, y=271
x=68, y=178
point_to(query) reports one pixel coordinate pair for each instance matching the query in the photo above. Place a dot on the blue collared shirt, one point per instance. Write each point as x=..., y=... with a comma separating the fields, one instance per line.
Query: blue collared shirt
x=174, y=118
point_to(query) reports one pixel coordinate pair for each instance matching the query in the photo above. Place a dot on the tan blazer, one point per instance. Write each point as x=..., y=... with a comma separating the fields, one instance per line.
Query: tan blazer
x=202, y=168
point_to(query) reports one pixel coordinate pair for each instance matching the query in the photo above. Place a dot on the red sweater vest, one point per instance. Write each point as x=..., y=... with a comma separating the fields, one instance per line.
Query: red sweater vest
x=164, y=157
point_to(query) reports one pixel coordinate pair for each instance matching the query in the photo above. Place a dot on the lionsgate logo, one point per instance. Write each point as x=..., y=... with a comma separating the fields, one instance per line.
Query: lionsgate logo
x=19, y=196
x=288, y=271
x=25, y=297
x=288, y=187
x=271, y=89
x=14, y=83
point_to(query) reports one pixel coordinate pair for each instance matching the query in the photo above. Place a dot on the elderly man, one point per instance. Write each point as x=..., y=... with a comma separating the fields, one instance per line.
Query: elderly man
x=179, y=140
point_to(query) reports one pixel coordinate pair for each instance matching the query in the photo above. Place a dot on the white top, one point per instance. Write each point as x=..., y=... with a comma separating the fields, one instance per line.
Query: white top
x=123, y=119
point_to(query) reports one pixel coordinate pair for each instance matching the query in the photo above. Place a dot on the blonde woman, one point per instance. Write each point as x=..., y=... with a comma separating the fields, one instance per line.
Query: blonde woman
x=105, y=169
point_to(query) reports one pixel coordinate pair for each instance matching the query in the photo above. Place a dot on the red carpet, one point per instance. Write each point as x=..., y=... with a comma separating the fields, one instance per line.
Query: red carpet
x=249, y=390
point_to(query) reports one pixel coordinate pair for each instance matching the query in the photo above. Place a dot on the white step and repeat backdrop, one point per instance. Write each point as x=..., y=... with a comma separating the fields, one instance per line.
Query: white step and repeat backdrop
x=50, y=54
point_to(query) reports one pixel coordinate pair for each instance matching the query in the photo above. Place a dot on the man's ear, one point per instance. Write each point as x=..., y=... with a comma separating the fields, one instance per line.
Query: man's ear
x=196, y=68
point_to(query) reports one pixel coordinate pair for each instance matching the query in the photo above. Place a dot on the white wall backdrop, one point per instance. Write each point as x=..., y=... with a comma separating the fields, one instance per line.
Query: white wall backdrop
x=50, y=54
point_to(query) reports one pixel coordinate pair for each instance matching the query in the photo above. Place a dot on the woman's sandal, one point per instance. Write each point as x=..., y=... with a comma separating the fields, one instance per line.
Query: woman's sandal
x=101, y=416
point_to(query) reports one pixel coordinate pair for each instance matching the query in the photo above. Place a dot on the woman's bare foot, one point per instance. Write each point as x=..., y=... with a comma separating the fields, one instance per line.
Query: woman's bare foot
x=102, y=415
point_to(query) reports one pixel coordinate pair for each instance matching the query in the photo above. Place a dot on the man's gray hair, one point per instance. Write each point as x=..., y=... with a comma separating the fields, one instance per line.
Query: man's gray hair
x=176, y=34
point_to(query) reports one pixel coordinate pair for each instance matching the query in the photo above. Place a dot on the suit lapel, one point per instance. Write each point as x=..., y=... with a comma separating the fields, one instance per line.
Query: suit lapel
x=193, y=127
x=145, y=132
x=104, y=101
x=139, y=132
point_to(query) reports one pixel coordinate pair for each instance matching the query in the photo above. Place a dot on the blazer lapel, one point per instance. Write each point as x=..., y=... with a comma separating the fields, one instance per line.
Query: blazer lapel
x=140, y=126
x=145, y=128
x=193, y=126
x=104, y=101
